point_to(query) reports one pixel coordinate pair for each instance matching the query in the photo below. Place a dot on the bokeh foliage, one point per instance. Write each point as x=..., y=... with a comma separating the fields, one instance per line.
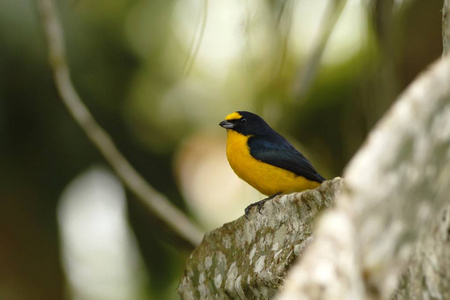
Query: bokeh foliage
x=127, y=63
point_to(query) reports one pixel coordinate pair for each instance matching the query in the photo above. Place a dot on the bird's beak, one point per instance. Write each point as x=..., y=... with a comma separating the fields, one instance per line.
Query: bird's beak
x=226, y=124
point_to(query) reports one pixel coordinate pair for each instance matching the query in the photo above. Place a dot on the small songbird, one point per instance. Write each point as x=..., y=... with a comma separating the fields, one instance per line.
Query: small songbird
x=264, y=159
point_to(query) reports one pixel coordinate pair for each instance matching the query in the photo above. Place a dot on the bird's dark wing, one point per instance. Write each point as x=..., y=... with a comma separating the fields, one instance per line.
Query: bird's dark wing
x=277, y=151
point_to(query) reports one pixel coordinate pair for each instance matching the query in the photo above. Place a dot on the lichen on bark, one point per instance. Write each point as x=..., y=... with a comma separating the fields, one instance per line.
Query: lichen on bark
x=248, y=259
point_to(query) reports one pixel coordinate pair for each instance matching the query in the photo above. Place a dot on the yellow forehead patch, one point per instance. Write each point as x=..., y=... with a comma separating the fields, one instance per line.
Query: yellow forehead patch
x=233, y=116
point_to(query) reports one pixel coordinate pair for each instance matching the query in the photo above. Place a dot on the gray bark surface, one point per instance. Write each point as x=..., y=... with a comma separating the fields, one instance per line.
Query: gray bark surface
x=248, y=259
x=396, y=185
x=427, y=275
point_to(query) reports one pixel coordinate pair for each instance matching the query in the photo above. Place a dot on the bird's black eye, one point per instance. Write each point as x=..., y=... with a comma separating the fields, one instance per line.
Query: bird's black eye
x=242, y=120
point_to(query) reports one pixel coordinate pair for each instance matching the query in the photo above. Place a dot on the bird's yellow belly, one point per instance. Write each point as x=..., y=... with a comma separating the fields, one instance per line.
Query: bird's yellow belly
x=264, y=177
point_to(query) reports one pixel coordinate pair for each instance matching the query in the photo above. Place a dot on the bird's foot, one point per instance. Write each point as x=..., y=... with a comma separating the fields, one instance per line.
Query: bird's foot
x=259, y=204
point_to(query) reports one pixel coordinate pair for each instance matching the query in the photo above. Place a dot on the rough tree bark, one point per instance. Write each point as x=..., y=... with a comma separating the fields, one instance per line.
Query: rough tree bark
x=248, y=259
x=427, y=275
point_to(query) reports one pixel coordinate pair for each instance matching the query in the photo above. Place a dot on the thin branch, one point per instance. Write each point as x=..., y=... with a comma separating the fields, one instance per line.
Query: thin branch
x=309, y=70
x=157, y=203
x=285, y=15
x=446, y=27
x=196, y=42
x=385, y=77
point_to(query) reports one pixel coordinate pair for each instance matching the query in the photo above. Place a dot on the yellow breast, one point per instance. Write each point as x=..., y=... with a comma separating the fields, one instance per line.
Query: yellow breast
x=264, y=177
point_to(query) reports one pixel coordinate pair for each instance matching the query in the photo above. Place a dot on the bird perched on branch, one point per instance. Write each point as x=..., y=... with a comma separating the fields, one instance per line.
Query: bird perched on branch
x=264, y=159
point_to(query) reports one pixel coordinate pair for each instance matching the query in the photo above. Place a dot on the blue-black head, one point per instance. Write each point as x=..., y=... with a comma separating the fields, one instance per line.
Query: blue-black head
x=246, y=123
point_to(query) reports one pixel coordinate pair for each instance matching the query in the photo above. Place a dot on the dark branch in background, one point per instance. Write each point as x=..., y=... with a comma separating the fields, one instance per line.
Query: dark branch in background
x=385, y=79
x=157, y=203
x=309, y=70
x=446, y=27
x=284, y=23
x=196, y=41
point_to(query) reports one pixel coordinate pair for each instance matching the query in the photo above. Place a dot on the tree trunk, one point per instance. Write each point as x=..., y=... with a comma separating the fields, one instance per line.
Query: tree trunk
x=396, y=185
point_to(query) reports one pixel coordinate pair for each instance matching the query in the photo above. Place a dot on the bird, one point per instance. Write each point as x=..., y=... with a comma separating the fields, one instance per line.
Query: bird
x=265, y=159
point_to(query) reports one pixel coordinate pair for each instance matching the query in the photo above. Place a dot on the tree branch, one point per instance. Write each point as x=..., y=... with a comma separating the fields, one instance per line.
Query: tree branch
x=248, y=259
x=152, y=199
x=309, y=70
x=196, y=41
x=396, y=184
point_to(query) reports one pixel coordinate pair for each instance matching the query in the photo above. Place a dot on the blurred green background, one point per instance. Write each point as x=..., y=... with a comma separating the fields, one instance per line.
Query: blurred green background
x=68, y=228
